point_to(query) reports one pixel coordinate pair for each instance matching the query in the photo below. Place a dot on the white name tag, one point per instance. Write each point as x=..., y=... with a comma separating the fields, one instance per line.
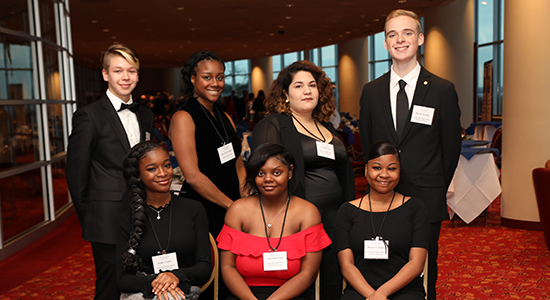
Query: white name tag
x=226, y=153
x=376, y=249
x=325, y=150
x=275, y=261
x=165, y=262
x=422, y=115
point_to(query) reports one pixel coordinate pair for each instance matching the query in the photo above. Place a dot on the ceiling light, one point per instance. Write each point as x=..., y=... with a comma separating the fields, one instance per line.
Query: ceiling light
x=401, y=1
x=113, y=37
x=105, y=30
x=288, y=17
x=94, y=21
x=375, y=20
x=484, y=2
x=290, y=5
x=180, y=8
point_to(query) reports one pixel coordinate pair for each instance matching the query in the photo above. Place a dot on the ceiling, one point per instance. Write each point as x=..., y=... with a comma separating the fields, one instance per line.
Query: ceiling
x=166, y=32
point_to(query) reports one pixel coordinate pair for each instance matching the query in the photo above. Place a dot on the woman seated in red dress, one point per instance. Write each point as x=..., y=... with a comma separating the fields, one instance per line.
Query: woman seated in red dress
x=272, y=241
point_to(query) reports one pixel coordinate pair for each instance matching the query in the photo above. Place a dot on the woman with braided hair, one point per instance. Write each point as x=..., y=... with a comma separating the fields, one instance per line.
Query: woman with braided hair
x=162, y=242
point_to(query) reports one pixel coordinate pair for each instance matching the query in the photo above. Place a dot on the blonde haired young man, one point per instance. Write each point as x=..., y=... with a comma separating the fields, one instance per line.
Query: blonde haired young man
x=424, y=124
x=103, y=132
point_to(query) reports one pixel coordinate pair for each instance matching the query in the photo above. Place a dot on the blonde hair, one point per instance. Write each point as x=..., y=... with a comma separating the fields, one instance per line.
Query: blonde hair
x=407, y=13
x=121, y=50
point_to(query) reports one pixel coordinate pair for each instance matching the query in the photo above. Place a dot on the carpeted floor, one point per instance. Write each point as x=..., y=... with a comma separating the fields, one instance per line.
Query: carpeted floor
x=481, y=260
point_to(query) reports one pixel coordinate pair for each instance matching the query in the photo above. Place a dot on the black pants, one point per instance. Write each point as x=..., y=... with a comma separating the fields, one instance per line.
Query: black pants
x=106, y=287
x=433, y=250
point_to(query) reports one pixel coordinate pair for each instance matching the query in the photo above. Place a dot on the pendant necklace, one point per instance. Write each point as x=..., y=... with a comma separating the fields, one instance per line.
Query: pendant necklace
x=270, y=223
x=157, y=211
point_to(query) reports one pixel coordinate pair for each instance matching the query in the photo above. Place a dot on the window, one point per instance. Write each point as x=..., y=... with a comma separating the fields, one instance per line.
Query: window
x=489, y=35
x=237, y=77
x=282, y=61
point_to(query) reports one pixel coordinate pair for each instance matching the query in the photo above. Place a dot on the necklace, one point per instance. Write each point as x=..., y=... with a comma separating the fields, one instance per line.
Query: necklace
x=162, y=251
x=322, y=139
x=270, y=223
x=157, y=211
x=214, y=109
x=282, y=227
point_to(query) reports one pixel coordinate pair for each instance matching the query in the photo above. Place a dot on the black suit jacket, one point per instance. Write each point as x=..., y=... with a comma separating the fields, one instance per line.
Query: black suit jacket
x=429, y=153
x=97, y=147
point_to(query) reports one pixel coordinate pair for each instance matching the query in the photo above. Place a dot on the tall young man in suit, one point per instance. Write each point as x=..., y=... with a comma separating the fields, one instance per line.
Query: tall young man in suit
x=418, y=112
x=103, y=132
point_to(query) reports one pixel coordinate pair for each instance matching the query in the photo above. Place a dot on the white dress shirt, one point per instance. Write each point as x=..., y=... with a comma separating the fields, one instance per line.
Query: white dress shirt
x=411, y=80
x=127, y=117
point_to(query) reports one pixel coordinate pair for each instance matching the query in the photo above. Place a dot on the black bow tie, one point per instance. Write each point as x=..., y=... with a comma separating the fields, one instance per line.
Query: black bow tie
x=132, y=107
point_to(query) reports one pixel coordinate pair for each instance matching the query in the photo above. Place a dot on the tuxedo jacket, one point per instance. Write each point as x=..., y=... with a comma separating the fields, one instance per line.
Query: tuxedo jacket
x=429, y=153
x=97, y=147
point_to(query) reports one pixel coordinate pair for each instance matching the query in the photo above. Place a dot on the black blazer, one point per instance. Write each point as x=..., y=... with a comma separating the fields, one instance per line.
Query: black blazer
x=97, y=147
x=429, y=153
x=279, y=128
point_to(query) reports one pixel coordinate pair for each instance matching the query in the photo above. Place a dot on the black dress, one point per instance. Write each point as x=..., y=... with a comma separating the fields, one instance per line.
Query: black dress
x=188, y=238
x=210, y=134
x=404, y=227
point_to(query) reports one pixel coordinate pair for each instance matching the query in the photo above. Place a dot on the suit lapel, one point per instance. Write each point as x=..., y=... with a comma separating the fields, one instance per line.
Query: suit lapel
x=422, y=86
x=385, y=104
x=113, y=119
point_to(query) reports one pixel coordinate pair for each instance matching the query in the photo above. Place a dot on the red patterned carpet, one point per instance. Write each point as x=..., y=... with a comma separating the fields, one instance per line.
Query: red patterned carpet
x=481, y=260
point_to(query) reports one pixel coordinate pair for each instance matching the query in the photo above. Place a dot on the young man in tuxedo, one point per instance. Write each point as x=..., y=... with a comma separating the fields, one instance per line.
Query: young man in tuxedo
x=103, y=132
x=418, y=112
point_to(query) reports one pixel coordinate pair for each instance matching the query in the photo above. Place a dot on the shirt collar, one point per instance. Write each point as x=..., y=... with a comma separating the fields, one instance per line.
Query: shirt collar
x=410, y=78
x=116, y=101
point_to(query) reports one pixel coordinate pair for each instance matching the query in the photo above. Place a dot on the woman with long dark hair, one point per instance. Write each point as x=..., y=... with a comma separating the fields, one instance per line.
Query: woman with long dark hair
x=163, y=244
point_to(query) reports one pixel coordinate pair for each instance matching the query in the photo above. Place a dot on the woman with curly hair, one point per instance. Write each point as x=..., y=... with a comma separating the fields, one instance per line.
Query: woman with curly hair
x=299, y=107
x=162, y=243
x=205, y=142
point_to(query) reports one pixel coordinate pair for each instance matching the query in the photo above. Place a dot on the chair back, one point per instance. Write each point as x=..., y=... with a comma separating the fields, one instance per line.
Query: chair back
x=541, y=181
x=356, y=148
x=214, y=276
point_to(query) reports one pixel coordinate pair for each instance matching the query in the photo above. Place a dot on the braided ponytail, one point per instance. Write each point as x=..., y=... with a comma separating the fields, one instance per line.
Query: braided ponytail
x=130, y=260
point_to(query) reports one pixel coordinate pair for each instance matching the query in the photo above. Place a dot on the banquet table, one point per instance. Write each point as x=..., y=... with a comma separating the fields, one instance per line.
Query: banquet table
x=474, y=186
x=484, y=131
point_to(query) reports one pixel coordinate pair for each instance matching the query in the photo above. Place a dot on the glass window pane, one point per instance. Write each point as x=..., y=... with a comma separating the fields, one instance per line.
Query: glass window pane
x=16, y=80
x=380, y=53
x=497, y=104
x=485, y=21
x=484, y=54
x=228, y=86
x=228, y=68
x=15, y=15
x=60, y=189
x=331, y=73
x=47, y=20
x=276, y=62
x=289, y=58
x=22, y=202
x=241, y=84
x=501, y=5
x=380, y=68
x=18, y=135
x=315, y=56
x=241, y=67
x=275, y=75
x=51, y=73
x=328, y=56
x=55, y=128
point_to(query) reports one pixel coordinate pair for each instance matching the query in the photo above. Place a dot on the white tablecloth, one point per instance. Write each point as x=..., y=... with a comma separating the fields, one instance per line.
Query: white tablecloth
x=474, y=186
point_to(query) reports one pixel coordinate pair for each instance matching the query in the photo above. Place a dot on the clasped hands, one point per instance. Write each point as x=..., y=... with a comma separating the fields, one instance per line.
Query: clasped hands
x=167, y=283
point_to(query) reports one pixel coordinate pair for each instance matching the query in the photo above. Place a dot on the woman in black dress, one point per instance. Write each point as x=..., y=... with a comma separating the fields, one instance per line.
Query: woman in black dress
x=205, y=142
x=299, y=107
x=382, y=237
x=160, y=225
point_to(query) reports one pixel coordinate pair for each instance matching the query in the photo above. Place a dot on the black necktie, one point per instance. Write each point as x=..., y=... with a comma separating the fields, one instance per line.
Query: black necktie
x=132, y=107
x=402, y=107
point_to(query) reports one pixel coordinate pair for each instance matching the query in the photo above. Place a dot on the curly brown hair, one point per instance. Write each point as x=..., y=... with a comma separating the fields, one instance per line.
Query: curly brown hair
x=275, y=103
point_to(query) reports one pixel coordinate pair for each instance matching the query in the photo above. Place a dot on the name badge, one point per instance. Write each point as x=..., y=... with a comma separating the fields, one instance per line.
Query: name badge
x=422, y=115
x=147, y=136
x=165, y=262
x=325, y=150
x=377, y=249
x=226, y=153
x=275, y=261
